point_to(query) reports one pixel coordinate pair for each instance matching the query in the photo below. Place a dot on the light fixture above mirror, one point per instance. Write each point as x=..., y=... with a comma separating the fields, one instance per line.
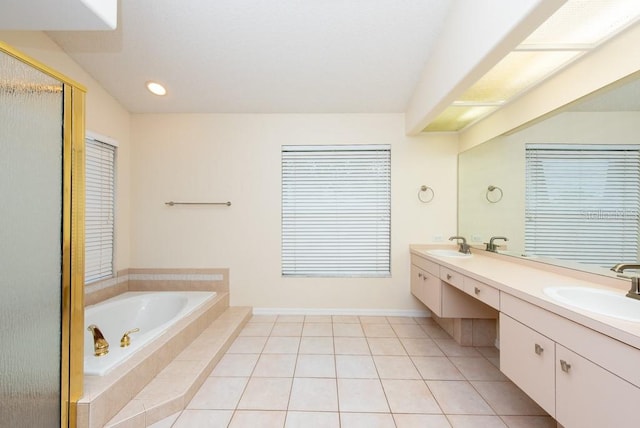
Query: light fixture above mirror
x=575, y=29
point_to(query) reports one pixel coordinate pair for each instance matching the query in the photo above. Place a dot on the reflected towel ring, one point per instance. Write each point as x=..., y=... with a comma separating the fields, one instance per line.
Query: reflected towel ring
x=490, y=189
x=426, y=189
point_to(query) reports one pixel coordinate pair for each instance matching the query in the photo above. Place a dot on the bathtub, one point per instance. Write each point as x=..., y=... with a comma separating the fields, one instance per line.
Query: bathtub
x=151, y=312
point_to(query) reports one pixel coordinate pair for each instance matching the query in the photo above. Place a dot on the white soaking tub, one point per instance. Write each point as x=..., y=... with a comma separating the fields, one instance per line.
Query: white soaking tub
x=151, y=312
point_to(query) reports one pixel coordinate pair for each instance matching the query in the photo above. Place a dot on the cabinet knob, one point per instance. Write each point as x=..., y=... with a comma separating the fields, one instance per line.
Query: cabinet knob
x=565, y=366
x=476, y=290
x=539, y=349
x=448, y=276
x=419, y=274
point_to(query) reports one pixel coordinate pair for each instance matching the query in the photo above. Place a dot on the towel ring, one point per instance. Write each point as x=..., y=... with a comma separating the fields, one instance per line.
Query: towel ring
x=490, y=189
x=426, y=189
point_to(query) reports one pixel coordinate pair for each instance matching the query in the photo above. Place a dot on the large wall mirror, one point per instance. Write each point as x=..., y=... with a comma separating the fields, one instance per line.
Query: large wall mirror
x=522, y=185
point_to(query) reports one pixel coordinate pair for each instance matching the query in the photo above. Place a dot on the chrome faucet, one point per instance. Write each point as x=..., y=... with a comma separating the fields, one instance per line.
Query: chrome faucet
x=464, y=247
x=100, y=344
x=493, y=247
x=634, y=292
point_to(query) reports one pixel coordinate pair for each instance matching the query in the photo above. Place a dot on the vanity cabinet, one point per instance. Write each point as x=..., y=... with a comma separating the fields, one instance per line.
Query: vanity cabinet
x=578, y=392
x=441, y=290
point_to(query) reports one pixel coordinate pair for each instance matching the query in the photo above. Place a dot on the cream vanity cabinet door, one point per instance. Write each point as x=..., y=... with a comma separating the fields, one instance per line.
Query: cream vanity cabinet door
x=588, y=396
x=528, y=359
x=427, y=288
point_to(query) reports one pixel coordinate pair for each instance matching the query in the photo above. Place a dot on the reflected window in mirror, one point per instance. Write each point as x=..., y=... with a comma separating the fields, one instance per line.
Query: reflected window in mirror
x=582, y=202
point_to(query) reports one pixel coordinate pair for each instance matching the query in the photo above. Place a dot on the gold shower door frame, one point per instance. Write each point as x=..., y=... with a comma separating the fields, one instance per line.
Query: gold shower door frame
x=73, y=208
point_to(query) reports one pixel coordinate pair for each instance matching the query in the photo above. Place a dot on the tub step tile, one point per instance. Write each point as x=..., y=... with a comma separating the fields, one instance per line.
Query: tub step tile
x=174, y=387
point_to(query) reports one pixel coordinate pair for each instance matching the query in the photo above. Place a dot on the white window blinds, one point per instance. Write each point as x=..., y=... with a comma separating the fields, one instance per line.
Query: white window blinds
x=582, y=202
x=336, y=210
x=99, y=214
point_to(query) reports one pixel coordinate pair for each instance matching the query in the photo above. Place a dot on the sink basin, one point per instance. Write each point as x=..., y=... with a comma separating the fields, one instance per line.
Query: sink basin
x=604, y=302
x=448, y=253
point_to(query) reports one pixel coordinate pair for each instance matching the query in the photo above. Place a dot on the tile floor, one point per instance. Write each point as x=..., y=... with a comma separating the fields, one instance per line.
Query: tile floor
x=349, y=371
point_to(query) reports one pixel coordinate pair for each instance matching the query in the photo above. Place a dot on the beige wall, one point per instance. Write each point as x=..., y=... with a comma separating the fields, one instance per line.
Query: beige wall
x=104, y=116
x=237, y=158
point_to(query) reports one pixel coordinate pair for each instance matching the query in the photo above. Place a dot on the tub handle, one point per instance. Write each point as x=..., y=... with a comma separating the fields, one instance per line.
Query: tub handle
x=126, y=340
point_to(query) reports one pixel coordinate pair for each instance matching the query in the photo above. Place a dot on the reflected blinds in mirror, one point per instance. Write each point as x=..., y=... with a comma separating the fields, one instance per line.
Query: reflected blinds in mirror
x=582, y=202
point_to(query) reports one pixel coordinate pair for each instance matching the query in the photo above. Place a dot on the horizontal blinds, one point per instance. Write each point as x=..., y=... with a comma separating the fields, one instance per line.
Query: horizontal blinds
x=582, y=202
x=99, y=214
x=336, y=210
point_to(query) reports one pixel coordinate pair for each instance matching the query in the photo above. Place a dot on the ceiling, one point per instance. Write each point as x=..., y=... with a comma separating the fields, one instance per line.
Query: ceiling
x=255, y=56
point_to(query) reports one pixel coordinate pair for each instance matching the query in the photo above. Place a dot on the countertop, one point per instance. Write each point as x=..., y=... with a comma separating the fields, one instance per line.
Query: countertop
x=526, y=281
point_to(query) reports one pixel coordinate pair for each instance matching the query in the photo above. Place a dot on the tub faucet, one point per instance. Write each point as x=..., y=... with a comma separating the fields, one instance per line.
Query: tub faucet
x=494, y=247
x=100, y=344
x=464, y=247
x=634, y=292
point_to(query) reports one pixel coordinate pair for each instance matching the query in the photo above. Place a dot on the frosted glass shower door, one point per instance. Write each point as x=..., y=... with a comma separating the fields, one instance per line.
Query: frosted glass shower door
x=31, y=209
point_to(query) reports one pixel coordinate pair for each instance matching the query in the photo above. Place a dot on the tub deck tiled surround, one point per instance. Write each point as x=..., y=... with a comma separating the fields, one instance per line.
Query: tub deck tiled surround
x=183, y=356
x=349, y=371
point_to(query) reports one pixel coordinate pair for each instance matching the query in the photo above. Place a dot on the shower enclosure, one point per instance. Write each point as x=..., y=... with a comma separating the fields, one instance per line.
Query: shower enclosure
x=41, y=243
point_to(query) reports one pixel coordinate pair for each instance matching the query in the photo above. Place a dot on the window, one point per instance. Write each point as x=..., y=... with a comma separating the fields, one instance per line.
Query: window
x=336, y=210
x=99, y=214
x=582, y=202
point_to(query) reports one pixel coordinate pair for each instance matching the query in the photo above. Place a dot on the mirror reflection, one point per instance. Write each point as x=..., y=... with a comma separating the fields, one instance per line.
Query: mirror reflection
x=564, y=190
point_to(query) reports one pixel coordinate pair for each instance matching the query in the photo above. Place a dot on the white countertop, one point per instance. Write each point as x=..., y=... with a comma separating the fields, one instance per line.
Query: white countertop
x=525, y=282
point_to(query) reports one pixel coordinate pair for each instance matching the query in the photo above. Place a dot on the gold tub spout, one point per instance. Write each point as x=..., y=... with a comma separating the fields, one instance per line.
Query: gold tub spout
x=100, y=344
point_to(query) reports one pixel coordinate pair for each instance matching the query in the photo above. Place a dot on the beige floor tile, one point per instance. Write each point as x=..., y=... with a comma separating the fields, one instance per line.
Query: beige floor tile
x=254, y=419
x=203, y=418
x=346, y=319
x=373, y=320
x=282, y=345
x=290, y=318
x=529, y=421
x=316, y=345
x=495, y=361
x=395, y=367
x=378, y=330
x=458, y=398
x=235, y=365
x=317, y=329
x=219, y=393
x=317, y=318
x=434, y=331
x=356, y=367
x=474, y=368
x=263, y=318
x=347, y=330
x=275, y=365
x=263, y=393
x=422, y=320
x=421, y=421
x=312, y=420
x=476, y=421
x=314, y=394
x=310, y=365
x=488, y=351
x=256, y=329
x=366, y=420
x=423, y=347
x=409, y=396
x=507, y=399
x=386, y=346
x=436, y=368
x=401, y=320
x=351, y=346
x=409, y=330
x=247, y=345
x=452, y=349
x=361, y=395
x=287, y=329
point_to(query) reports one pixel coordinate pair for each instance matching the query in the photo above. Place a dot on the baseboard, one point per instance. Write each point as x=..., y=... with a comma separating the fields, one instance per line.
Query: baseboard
x=342, y=311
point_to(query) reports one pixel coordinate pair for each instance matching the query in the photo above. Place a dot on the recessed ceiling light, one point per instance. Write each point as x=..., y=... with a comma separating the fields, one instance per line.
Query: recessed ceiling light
x=156, y=88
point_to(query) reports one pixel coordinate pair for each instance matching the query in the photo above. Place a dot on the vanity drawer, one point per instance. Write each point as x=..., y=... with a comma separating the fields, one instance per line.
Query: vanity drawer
x=424, y=264
x=483, y=292
x=452, y=277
